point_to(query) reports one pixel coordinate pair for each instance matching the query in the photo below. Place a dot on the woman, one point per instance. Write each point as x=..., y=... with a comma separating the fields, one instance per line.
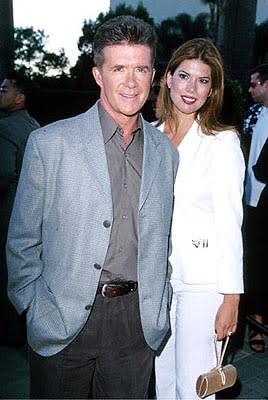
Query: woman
x=206, y=258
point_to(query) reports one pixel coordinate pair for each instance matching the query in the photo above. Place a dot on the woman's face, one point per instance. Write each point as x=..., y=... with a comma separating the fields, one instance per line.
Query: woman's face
x=190, y=86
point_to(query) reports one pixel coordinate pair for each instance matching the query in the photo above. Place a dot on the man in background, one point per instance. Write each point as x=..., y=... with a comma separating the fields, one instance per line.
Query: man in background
x=255, y=229
x=15, y=127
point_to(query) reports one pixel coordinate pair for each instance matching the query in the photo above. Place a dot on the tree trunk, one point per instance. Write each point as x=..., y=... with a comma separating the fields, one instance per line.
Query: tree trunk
x=6, y=38
x=235, y=39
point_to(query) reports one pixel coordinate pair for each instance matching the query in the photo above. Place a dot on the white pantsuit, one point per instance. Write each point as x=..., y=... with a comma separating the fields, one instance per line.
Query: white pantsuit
x=206, y=255
x=191, y=343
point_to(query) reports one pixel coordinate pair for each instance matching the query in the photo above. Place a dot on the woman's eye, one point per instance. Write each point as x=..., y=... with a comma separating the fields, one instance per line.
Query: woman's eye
x=205, y=81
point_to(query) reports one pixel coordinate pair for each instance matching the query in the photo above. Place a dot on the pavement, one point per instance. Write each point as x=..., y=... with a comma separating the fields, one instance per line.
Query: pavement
x=252, y=371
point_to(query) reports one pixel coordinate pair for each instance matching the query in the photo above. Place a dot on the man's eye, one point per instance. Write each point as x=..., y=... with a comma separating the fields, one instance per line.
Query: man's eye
x=142, y=69
x=119, y=68
x=183, y=76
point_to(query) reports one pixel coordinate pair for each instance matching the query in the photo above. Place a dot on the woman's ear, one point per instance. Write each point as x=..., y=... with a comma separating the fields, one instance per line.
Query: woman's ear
x=210, y=92
x=169, y=79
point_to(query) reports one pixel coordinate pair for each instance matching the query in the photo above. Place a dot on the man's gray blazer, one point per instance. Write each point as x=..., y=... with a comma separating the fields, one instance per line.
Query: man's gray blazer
x=58, y=235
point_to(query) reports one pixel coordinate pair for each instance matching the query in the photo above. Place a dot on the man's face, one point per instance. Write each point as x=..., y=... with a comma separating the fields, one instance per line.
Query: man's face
x=10, y=99
x=125, y=78
x=258, y=90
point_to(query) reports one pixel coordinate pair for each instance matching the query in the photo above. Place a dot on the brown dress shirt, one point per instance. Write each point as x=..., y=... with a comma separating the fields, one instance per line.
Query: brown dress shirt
x=125, y=169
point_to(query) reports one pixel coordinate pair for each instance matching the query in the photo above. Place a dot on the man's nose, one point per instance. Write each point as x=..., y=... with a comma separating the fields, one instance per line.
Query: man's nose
x=131, y=79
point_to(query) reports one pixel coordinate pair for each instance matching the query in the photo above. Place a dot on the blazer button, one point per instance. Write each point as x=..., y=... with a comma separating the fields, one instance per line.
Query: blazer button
x=106, y=224
x=97, y=266
x=88, y=307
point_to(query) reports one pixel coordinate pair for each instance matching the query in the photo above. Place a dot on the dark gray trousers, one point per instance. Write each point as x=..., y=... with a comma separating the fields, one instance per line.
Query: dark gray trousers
x=109, y=359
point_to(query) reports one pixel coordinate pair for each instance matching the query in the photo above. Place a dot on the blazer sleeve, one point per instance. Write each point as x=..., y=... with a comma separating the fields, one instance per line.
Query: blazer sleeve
x=24, y=242
x=228, y=169
x=260, y=169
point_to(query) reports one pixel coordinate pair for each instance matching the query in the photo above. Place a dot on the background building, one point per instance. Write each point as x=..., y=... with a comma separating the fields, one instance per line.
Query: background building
x=162, y=9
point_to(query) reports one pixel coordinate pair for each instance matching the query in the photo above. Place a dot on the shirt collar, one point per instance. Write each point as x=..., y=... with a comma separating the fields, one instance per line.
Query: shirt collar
x=110, y=127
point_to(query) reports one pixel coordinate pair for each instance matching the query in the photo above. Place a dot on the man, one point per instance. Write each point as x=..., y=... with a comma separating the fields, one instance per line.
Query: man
x=15, y=128
x=89, y=235
x=256, y=238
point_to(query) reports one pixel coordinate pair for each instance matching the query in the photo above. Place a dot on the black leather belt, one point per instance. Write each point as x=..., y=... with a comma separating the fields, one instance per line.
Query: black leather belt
x=113, y=289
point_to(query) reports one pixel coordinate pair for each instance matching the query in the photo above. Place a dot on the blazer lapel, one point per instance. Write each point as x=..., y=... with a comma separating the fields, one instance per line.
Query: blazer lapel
x=92, y=141
x=151, y=162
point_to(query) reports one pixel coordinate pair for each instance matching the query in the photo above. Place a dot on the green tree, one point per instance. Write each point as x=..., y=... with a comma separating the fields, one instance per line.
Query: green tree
x=216, y=8
x=235, y=39
x=172, y=32
x=260, y=48
x=6, y=37
x=81, y=72
x=31, y=56
x=89, y=28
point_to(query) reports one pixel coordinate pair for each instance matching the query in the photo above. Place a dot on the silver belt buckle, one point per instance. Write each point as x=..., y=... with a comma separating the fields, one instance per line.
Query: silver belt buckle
x=103, y=289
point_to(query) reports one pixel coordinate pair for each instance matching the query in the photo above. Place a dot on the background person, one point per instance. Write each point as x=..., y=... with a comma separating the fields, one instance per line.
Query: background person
x=207, y=275
x=15, y=127
x=255, y=224
x=90, y=229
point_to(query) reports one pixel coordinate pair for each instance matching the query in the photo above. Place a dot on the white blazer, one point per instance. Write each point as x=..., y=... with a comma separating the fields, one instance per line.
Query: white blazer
x=208, y=212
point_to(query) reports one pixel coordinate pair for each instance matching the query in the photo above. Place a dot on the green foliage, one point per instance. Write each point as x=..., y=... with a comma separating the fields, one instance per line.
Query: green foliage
x=81, y=72
x=260, y=51
x=89, y=28
x=31, y=56
x=234, y=105
x=172, y=32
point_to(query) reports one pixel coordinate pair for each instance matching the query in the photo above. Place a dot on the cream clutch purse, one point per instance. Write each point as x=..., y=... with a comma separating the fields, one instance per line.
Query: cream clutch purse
x=218, y=378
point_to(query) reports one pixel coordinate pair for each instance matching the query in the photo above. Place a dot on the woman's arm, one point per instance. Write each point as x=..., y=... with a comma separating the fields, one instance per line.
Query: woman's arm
x=227, y=191
x=227, y=316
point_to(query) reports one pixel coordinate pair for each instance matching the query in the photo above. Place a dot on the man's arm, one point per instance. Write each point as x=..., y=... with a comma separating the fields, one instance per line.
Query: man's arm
x=24, y=244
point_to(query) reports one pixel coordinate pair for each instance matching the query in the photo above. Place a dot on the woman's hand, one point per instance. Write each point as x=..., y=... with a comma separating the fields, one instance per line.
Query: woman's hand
x=227, y=316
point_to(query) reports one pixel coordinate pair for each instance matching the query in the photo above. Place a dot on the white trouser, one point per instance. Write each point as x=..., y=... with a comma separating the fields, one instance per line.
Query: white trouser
x=190, y=350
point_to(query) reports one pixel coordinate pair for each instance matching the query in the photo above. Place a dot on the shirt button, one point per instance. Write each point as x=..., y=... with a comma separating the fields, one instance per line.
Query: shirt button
x=88, y=307
x=124, y=216
x=107, y=224
x=97, y=266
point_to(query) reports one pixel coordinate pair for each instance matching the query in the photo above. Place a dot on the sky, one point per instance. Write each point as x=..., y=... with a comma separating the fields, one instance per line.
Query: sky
x=61, y=20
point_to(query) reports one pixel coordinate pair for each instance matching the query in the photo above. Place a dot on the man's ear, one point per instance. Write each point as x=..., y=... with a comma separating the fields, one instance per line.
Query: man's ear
x=265, y=83
x=96, y=72
x=20, y=99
